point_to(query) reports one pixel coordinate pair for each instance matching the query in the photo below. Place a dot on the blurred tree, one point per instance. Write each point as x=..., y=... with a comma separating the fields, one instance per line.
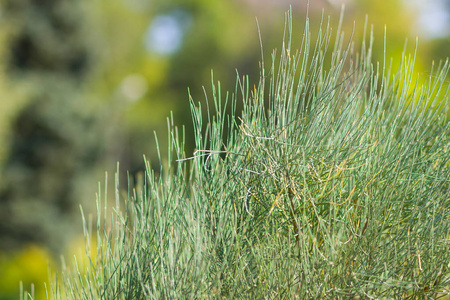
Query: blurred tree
x=55, y=140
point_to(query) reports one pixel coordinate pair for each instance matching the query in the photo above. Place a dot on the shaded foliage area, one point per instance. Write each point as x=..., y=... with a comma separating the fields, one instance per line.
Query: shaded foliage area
x=48, y=37
x=54, y=140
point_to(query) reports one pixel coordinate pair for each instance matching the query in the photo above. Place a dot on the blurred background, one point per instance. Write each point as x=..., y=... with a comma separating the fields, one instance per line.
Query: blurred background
x=84, y=84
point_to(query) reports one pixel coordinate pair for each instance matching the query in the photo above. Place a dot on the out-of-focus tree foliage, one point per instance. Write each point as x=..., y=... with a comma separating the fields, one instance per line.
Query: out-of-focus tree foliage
x=81, y=88
x=53, y=140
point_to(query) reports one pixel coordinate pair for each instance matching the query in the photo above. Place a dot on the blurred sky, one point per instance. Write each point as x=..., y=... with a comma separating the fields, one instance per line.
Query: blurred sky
x=434, y=18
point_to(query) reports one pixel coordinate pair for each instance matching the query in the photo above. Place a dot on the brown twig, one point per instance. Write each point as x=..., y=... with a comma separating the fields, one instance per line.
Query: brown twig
x=294, y=221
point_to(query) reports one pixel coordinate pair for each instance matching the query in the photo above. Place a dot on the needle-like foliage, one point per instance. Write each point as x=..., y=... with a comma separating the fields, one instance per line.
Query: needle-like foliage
x=333, y=182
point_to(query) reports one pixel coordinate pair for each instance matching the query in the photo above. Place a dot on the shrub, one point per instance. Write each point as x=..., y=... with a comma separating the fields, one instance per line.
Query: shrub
x=331, y=183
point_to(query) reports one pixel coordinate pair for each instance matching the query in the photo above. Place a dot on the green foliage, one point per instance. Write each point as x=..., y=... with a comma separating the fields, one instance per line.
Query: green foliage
x=54, y=139
x=332, y=183
x=35, y=260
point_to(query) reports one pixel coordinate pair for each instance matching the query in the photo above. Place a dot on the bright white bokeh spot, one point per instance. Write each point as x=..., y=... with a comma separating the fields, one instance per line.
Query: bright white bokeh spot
x=165, y=34
x=433, y=20
x=134, y=87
